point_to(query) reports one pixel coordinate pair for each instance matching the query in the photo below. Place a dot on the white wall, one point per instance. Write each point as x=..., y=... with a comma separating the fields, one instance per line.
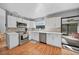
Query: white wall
x=78, y=28
x=2, y=20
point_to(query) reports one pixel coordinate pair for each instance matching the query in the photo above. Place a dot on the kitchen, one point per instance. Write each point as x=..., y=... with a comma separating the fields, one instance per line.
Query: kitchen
x=27, y=29
x=45, y=29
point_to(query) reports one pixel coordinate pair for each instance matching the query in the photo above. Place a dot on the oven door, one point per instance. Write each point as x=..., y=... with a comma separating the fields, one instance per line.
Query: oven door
x=25, y=36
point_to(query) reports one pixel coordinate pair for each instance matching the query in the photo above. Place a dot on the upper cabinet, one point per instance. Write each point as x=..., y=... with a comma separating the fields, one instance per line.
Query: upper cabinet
x=2, y=20
x=26, y=22
x=12, y=21
x=53, y=24
x=19, y=19
x=32, y=24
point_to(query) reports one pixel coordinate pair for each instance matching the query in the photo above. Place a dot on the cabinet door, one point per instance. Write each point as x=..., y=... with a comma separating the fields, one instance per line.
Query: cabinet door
x=54, y=22
x=26, y=22
x=34, y=36
x=32, y=24
x=50, y=39
x=12, y=21
x=54, y=40
x=31, y=35
x=19, y=19
x=13, y=40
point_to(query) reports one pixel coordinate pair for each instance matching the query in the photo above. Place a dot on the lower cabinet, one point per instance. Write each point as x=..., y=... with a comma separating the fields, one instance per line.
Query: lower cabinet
x=12, y=40
x=54, y=39
x=34, y=36
x=48, y=38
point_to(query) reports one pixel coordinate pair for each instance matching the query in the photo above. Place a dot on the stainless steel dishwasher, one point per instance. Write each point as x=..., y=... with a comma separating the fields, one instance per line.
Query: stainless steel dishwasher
x=42, y=37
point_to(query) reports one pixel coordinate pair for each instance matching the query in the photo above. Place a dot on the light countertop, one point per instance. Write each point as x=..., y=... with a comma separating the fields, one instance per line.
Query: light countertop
x=47, y=32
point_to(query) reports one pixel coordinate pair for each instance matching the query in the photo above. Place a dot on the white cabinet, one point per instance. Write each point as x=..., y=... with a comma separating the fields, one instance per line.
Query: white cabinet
x=19, y=19
x=54, y=39
x=12, y=21
x=34, y=36
x=32, y=24
x=24, y=21
x=52, y=23
x=27, y=22
x=12, y=40
x=2, y=20
x=31, y=35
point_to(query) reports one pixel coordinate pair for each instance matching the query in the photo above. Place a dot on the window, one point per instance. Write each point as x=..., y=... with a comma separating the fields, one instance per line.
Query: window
x=70, y=25
x=68, y=29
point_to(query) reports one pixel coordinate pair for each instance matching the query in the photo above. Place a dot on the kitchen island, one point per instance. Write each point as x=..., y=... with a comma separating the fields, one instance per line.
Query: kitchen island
x=51, y=38
x=12, y=39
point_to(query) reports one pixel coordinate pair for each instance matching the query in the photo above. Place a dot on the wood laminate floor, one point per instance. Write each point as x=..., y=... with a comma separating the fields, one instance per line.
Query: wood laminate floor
x=31, y=48
x=2, y=40
x=2, y=43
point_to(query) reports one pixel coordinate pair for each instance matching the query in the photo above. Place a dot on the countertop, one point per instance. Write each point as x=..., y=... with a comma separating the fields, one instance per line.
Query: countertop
x=11, y=33
x=48, y=32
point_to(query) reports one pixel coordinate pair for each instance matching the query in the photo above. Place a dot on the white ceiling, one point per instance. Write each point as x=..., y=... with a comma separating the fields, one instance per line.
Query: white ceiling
x=35, y=10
